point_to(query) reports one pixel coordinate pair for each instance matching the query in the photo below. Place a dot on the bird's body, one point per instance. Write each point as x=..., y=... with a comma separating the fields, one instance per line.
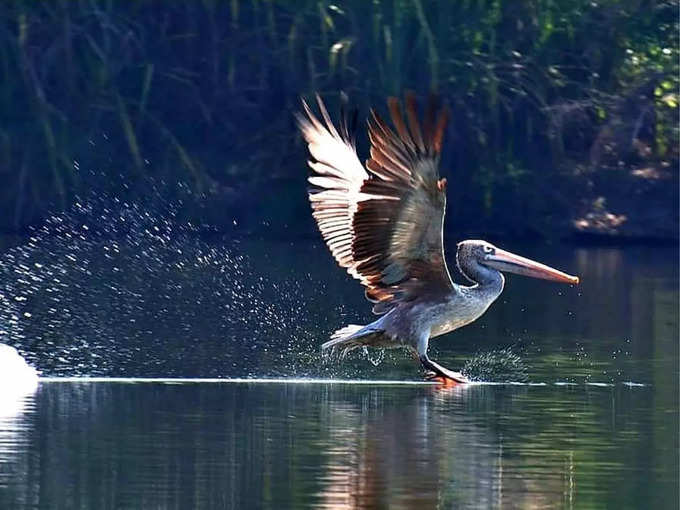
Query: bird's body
x=433, y=316
x=384, y=224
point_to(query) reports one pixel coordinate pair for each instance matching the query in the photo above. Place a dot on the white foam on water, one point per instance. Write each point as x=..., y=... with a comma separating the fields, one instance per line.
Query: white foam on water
x=15, y=373
x=18, y=380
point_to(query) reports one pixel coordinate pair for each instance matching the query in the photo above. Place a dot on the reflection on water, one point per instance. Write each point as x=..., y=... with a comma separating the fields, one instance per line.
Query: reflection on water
x=150, y=445
x=18, y=383
x=116, y=291
x=16, y=435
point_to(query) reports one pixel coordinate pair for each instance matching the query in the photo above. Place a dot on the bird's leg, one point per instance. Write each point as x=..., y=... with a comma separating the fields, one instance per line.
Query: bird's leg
x=435, y=370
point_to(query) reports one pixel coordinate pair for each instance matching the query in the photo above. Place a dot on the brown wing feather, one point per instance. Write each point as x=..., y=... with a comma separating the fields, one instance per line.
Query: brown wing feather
x=403, y=253
x=384, y=226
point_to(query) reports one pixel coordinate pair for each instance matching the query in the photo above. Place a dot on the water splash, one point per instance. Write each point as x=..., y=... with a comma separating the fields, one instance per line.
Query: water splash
x=18, y=380
x=375, y=356
x=501, y=365
x=117, y=288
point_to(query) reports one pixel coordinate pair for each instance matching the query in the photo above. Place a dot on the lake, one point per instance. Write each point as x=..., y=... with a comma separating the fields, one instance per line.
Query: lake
x=578, y=409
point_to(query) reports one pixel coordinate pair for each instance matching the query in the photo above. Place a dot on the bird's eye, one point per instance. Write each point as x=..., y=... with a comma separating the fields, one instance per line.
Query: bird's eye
x=488, y=249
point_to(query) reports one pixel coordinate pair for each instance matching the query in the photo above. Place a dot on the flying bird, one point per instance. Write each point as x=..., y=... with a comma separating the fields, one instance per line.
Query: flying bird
x=383, y=222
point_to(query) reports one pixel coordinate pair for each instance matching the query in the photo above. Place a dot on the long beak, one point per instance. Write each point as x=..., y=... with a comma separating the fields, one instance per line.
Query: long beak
x=506, y=261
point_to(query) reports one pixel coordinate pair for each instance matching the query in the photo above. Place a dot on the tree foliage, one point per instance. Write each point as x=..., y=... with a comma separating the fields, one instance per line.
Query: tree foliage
x=555, y=104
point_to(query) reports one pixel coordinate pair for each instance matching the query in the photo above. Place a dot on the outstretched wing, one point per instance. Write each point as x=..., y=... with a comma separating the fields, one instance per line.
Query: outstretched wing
x=384, y=225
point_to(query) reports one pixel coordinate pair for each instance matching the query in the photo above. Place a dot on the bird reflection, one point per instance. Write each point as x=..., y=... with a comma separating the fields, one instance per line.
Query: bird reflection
x=293, y=446
x=428, y=451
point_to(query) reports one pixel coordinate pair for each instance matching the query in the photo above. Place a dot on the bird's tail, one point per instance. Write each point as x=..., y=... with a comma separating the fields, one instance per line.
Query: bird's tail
x=352, y=337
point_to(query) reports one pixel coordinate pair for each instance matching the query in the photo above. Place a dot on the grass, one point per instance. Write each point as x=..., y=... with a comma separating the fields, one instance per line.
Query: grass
x=543, y=94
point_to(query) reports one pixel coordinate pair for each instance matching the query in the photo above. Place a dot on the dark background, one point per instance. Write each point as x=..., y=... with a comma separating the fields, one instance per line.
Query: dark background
x=564, y=114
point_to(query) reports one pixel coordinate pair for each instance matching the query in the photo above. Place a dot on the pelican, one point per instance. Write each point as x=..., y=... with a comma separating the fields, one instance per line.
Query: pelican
x=383, y=222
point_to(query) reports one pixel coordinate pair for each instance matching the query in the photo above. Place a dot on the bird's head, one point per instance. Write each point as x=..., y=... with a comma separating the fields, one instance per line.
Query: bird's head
x=474, y=252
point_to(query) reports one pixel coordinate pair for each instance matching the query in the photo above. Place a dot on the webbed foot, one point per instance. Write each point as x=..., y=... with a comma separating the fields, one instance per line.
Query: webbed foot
x=436, y=372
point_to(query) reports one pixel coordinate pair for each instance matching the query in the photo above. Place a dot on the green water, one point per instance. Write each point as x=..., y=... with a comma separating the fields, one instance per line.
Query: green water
x=113, y=445
x=596, y=427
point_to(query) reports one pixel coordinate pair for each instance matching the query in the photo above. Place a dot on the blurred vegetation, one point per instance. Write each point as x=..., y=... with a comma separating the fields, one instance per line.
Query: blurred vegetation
x=564, y=113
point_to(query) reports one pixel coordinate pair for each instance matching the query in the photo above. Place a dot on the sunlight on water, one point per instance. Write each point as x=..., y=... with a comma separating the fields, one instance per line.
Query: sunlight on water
x=14, y=369
x=15, y=435
x=18, y=385
x=18, y=380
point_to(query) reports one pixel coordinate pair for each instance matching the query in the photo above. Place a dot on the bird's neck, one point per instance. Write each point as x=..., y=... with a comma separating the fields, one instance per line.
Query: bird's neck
x=485, y=277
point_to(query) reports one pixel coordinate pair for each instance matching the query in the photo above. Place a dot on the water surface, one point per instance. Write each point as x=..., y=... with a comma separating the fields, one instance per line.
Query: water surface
x=211, y=445
x=595, y=427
